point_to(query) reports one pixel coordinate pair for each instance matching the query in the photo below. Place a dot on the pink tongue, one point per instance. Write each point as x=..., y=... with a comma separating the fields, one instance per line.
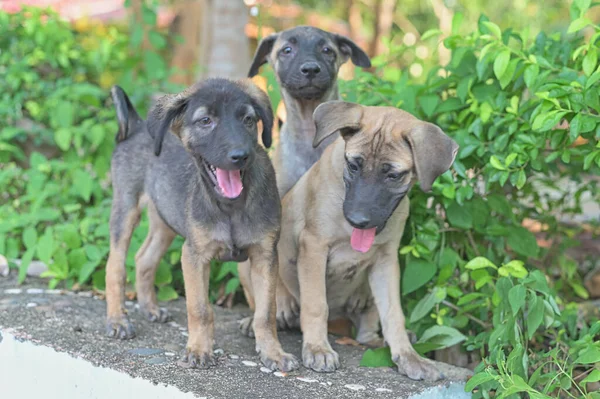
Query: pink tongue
x=229, y=182
x=362, y=240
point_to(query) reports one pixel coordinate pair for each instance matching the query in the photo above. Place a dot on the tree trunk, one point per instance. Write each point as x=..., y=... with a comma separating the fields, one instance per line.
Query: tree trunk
x=185, y=55
x=384, y=17
x=225, y=48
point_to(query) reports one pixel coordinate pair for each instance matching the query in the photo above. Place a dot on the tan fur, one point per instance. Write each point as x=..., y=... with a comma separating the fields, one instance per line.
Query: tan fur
x=317, y=264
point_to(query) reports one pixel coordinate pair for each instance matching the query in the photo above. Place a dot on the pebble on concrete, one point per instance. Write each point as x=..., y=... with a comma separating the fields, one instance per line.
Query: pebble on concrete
x=355, y=387
x=249, y=363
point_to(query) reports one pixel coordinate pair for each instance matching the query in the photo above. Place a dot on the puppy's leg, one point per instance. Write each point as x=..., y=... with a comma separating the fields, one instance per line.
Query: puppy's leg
x=264, y=283
x=195, y=264
x=363, y=313
x=317, y=353
x=244, y=273
x=288, y=311
x=147, y=259
x=384, y=278
x=124, y=217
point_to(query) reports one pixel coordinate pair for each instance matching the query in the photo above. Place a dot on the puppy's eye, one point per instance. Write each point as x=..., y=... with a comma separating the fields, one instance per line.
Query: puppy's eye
x=327, y=50
x=249, y=121
x=286, y=50
x=352, y=167
x=206, y=121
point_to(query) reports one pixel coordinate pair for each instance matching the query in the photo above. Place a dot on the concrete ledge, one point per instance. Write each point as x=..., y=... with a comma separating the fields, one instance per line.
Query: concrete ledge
x=52, y=346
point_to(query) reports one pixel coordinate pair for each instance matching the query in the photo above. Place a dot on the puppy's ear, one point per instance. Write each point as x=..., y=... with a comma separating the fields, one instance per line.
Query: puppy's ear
x=333, y=116
x=167, y=114
x=262, y=53
x=127, y=116
x=262, y=106
x=433, y=152
x=351, y=50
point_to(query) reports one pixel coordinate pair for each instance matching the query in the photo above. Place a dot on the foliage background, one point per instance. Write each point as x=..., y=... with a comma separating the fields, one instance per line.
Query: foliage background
x=522, y=105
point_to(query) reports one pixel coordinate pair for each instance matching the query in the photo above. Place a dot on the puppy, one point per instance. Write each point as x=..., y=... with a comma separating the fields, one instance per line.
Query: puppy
x=343, y=221
x=209, y=182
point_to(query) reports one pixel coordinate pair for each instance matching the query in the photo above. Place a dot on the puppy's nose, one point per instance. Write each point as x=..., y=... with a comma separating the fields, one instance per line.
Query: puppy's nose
x=358, y=219
x=310, y=69
x=238, y=157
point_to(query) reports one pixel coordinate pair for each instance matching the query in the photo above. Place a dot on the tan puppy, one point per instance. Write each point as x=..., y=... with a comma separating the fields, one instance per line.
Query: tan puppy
x=343, y=221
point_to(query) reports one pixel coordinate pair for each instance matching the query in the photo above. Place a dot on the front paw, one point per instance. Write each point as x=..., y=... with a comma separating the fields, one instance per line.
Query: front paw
x=119, y=327
x=416, y=367
x=288, y=315
x=246, y=326
x=155, y=314
x=191, y=359
x=321, y=358
x=282, y=361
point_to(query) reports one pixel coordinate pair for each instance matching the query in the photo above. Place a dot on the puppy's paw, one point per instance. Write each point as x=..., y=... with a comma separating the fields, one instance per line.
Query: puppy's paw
x=320, y=358
x=359, y=302
x=191, y=359
x=416, y=367
x=282, y=361
x=155, y=314
x=288, y=313
x=119, y=327
x=246, y=326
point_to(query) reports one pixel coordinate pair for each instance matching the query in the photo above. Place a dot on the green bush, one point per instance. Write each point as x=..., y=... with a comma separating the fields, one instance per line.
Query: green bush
x=503, y=97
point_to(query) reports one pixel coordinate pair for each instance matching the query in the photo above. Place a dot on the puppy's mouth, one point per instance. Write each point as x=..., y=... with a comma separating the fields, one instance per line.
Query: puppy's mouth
x=362, y=240
x=309, y=91
x=227, y=183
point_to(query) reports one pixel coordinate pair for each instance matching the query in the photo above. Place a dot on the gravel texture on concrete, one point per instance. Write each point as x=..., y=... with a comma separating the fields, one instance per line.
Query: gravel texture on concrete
x=74, y=324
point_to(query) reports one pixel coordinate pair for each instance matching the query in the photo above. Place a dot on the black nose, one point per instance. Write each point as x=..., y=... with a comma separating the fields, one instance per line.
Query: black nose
x=358, y=220
x=238, y=157
x=310, y=69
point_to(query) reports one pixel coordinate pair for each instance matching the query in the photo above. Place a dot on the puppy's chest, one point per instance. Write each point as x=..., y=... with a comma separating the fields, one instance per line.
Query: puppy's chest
x=345, y=266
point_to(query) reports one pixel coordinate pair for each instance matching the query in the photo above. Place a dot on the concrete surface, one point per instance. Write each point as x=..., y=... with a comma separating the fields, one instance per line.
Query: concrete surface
x=52, y=345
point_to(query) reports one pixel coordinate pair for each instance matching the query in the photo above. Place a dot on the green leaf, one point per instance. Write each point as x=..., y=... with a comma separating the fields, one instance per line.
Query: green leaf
x=25, y=261
x=163, y=274
x=166, y=293
x=578, y=24
x=522, y=241
x=458, y=216
x=431, y=33
x=535, y=315
x=480, y=263
x=92, y=252
x=65, y=114
x=71, y=236
x=380, y=357
x=30, y=237
x=589, y=61
x=501, y=63
x=478, y=379
x=444, y=336
x=86, y=271
x=516, y=298
x=521, y=180
x=495, y=29
x=594, y=376
x=232, y=285
x=530, y=75
x=589, y=158
x=495, y=162
x=457, y=20
x=416, y=274
x=425, y=305
x=485, y=112
x=83, y=184
x=428, y=103
x=592, y=80
x=589, y=356
x=157, y=40
x=62, y=137
x=45, y=247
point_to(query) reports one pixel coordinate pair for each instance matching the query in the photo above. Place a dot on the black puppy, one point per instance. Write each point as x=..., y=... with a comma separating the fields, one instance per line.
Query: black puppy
x=210, y=182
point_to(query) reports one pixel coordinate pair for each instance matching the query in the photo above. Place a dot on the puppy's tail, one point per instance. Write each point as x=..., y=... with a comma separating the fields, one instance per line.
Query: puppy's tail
x=127, y=116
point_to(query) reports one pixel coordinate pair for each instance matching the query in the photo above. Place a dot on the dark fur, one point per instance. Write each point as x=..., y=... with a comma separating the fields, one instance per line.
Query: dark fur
x=214, y=125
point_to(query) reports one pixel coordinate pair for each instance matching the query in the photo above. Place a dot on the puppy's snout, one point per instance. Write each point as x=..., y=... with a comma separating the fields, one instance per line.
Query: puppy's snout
x=239, y=157
x=310, y=69
x=358, y=219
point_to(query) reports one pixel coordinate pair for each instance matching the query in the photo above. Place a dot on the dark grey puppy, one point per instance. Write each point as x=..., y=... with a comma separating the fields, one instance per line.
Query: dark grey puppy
x=210, y=182
x=306, y=61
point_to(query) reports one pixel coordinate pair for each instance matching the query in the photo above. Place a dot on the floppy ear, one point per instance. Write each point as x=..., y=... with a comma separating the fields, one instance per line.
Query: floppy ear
x=351, y=49
x=262, y=106
x=167, y=114
x=433, y=152
x=127, y=116
x=262, y=52
x=333, y=116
